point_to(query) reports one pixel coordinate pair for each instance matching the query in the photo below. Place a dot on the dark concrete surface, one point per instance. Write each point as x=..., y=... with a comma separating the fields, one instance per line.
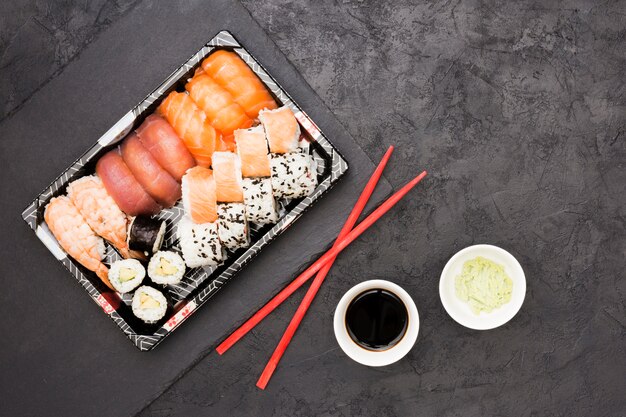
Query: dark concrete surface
x=518, y=111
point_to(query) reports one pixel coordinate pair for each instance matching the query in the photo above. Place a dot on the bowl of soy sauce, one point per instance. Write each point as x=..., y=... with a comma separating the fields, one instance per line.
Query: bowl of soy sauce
x=376, y=323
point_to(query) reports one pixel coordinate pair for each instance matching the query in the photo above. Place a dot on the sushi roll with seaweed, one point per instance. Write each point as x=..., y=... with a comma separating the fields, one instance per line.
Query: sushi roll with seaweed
x=149, y=304
x=199, y=243
x=145, y=234
x=255, y=169
x=232, y=224
x=166, y=267
x=293, y=169
x=126, y=275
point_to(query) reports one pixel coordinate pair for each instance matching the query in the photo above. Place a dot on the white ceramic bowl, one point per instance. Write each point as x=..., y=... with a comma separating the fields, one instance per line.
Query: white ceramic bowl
x=459, y=310
x=370, y=357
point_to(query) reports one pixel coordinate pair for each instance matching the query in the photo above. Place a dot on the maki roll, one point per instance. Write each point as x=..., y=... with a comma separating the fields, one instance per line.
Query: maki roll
x=294, y=171
x=260, y=202
x=232, y=226
x=166, y=267
x=146, y=234
x=255, y=168
x=294, y=175
x=200, y=243
x=126, y=275
x=149, y=304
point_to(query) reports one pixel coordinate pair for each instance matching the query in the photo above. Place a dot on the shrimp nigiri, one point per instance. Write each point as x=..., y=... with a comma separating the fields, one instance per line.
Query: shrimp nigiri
x=76, y=237
x=191, y=124
x=218, y=104
x=238, y=78
x=100, y=211
x=199, y=197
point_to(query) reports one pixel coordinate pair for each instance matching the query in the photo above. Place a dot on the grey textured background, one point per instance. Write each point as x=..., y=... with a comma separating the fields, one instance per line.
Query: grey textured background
x=518, y=111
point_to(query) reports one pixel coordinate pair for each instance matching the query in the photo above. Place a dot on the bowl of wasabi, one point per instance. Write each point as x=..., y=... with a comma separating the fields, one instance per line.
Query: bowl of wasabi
x=482, y=287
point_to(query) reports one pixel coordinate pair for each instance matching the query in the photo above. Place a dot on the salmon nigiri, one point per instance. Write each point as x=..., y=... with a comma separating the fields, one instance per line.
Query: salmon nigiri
x=160, y=139
x=191, y=124
x=227, y=172
x=218, y=104
x=199, y=199
x=232, y=73
x=252, y=151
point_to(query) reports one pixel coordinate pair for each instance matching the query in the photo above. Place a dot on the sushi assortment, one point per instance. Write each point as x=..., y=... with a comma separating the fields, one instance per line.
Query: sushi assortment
x=223, y=146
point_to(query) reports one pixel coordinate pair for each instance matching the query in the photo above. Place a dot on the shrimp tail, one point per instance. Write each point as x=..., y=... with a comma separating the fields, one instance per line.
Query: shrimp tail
x=103, y=273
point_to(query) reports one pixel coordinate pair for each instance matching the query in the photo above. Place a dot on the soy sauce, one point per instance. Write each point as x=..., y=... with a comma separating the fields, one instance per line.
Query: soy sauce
x=376, y=319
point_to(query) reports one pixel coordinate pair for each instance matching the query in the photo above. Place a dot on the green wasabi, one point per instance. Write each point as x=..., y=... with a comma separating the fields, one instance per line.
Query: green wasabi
x=483, y=284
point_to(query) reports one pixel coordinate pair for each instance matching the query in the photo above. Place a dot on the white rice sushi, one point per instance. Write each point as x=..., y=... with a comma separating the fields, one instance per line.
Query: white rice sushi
x=232, y=226
x=259, y=199
x=294, y=175
x=200, y=243
x=126, y=275
x=166, y=267
x=149, y=304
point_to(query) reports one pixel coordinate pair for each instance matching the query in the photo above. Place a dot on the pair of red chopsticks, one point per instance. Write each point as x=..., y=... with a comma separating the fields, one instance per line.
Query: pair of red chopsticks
x=323, y=265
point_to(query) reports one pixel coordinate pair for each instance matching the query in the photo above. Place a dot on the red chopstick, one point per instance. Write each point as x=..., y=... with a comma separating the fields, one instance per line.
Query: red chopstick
x=321, y=275
x=327, y=259
x=297, y=283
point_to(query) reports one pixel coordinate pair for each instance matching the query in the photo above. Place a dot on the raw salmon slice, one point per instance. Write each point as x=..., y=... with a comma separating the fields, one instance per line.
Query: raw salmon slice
x=218, y=104
x=252, y=151
x=232, y=73
x=227, y=172
x=191, y=124
x=199, y=198
x=282, y=129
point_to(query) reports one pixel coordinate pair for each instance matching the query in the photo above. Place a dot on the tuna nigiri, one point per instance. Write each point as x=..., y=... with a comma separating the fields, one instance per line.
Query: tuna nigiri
x=191, y=124
x=100, y=211
x=199, y=198
x=282, y=129
x=227, y=173
x=252, y=151
x=161, y=186
x=218, y=104
x=160, y=139
x=76, y=237
x=123, y=187
x=232, y=73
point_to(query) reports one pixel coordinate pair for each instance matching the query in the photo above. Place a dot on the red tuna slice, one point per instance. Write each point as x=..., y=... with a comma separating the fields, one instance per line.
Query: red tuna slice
x=123, y=187
x=153, y=178
x=160, y=139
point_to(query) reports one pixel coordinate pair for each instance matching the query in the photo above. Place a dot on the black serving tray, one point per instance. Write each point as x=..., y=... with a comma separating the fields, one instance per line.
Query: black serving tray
x=199, y=284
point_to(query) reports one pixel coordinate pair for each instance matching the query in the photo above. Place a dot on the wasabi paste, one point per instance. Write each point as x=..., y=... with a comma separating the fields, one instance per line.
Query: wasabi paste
x=484, y=285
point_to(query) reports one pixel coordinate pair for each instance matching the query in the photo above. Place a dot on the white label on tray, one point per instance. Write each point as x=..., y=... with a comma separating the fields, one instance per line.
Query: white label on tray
x=53, y=246
x=180, y=316
x=119, y=130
